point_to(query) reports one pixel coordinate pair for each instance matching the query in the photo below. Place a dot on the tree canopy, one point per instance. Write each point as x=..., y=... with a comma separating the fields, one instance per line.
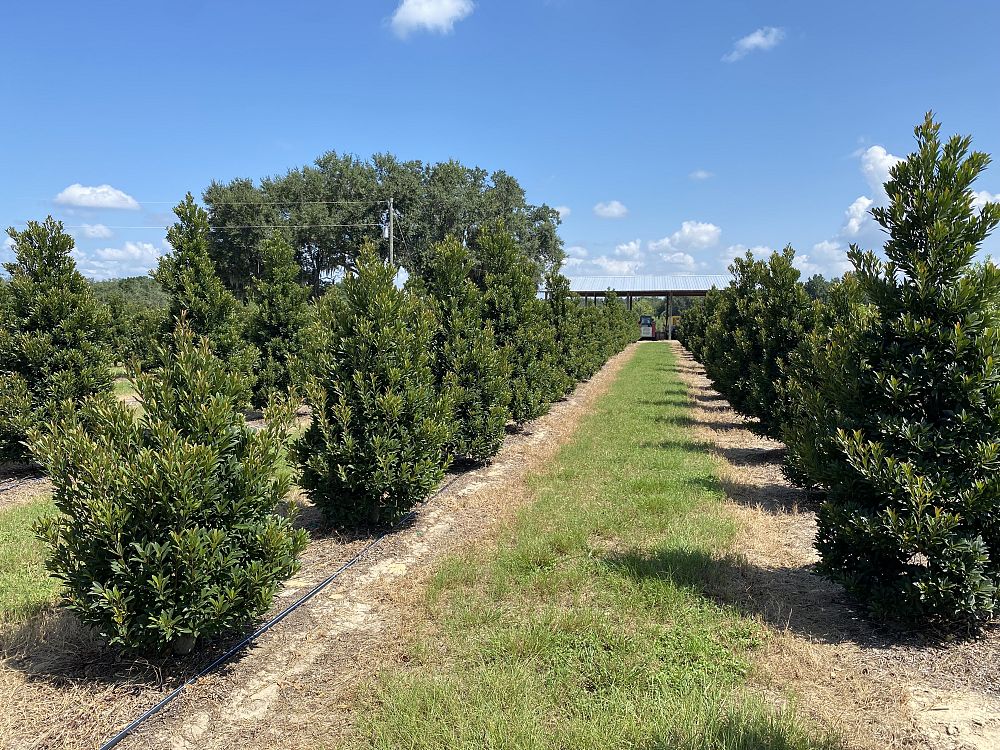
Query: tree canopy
x=331, y=208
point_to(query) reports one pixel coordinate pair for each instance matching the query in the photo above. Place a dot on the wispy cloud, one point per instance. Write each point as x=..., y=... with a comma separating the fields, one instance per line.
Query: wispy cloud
x=96, y=196
x=563, y=212
x=437, y=16
x=761, y=40
x=701, y=174
x=98, y=231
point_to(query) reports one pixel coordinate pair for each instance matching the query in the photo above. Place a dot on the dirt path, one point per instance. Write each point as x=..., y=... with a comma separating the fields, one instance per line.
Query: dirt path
x=293, y=689
x=879, y=688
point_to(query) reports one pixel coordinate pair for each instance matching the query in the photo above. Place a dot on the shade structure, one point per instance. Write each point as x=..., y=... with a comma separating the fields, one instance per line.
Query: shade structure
x=648, y=286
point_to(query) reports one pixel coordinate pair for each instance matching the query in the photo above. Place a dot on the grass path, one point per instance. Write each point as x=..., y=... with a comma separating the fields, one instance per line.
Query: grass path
x=586, y=625
x=25, y=586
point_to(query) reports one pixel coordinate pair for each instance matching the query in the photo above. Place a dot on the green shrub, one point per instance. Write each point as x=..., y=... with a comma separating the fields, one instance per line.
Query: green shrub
x=168, y=530
x=278, y=312
x=188, y=275
x=900, y=420
x=54, y=335
x=376, y=445
x=467, y=362
x=694, y=323
x=520, y=323
x=757, y=321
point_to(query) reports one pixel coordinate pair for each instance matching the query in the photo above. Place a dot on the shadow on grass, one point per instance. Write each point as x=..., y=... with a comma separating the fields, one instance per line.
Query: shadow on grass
x=795, y=599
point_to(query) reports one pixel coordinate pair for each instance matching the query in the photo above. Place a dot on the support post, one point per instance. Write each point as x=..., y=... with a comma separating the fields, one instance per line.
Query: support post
x=391, y=259
x=670, y=316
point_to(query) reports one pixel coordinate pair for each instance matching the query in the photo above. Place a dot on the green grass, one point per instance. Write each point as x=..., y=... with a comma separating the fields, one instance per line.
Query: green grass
x=25, y=586
x=588, y=625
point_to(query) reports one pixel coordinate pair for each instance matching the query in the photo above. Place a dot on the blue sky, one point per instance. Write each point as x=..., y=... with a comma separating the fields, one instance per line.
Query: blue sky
x=676, y=134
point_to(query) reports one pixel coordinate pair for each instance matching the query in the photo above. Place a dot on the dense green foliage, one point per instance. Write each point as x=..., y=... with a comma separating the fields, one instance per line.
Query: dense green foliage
x=278, y=310
x=54, y=335
x=139, y=313
x=137, y=291
x=521, y=324
x=188, y=275
x=468, y=365
x=755, y=323
x=332, y=208
x=901, y=422
x=377, y=442
x=168, y=530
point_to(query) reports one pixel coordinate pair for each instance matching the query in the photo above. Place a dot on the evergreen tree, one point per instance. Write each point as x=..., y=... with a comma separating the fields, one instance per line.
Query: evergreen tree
x=279, y=310
x=468, y=363
x=168, y=528
x=521, y=324
x=901, y=420
x=188, y=275
x=758, y=320
x=54, y=335
x=377, y=442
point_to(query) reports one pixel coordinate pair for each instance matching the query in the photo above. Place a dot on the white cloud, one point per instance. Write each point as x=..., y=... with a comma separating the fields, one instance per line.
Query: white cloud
x=617, y=267
x=763, y=39
x=131, y=259
x=98, y=196
x=577, y=251
x=701, y=174
x=684, y=260
x=611, y=210
x=733, y=252
x=875, y=165
x=693, y=235
x=828, y=257
x=980, y=198
x=98, y=231
x=563, y=212
x=438, y=16
x=857, y=215
x=630, y=249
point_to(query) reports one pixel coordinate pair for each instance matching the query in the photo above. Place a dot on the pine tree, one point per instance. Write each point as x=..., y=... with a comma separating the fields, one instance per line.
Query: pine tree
x=376, y=445
x=279, y=311
x=54, y=335
x=468, y=363
x=902, y=424
x=521, y=324
x=188, y=275
x=168, y=530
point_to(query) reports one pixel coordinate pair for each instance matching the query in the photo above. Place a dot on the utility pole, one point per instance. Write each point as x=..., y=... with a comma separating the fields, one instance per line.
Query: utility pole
x=391, y=260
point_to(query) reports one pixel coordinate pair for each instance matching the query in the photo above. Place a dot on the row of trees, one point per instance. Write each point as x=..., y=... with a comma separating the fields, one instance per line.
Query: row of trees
x=887, y=394
x=172, y=526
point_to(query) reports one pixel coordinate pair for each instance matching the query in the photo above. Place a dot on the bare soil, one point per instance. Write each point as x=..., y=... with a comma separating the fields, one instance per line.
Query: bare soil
x=877, y=687
x=294, y=688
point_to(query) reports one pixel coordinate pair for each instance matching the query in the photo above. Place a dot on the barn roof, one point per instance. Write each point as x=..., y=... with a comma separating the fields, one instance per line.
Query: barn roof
x=656, y=286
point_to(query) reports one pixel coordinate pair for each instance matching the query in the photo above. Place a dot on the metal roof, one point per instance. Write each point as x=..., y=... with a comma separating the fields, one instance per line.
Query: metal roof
x=653, y=285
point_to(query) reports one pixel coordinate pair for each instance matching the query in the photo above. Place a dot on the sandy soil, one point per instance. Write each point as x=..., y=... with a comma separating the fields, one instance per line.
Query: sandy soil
x=293, y=689
x=879, y=688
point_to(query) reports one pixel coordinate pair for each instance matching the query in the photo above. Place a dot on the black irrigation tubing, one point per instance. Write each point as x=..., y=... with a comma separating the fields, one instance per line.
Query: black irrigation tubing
x=169, y=698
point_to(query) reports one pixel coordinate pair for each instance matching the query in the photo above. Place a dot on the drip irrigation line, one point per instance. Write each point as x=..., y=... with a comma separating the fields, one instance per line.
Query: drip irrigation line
x=169, y=698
